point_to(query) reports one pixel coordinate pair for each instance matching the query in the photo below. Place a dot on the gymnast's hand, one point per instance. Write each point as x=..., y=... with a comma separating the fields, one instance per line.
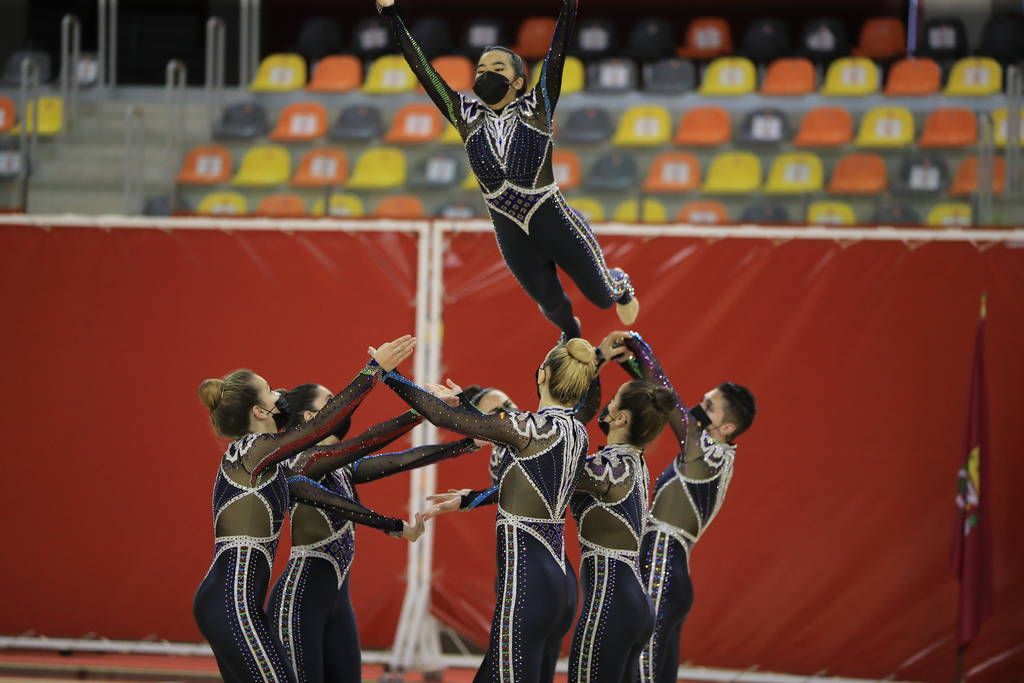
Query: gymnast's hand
x=613, y=347
x=381, y=4
x=449, y=394
x=412, y=532
x=390, y=355
x=442, y=503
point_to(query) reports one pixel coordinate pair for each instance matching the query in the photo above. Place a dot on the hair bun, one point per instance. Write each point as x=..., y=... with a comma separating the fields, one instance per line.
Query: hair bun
x=664, y=400
x=210, y=392
x=581, y=350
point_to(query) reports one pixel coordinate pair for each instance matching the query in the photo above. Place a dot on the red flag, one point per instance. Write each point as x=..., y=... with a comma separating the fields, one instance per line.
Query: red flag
x=972, y=546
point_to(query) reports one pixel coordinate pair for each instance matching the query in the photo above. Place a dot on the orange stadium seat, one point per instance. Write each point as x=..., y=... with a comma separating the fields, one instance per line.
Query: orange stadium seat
x=321, y=167
x=859, y=174
x=457, y=71
x=882, y=38
x=301, y=122
x=414, y=124
x=704, y=127
x=534, y=37
x=703, y=212
x=950, y=127
x=966, y=180
x=399, y=207
x=790, y=77
x=336, y=73
x=206, y=165
x=913, y=78
x=566, y=166
x=673, y=172
x=825, y=127
x=8, y=114
x=706, y=38
x=283, y=205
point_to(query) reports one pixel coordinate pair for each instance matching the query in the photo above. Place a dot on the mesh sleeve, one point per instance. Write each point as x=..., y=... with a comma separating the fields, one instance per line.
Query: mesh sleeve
x=475, y=499
x=309, y=492
x=550, y=81
x=375, y=467
x=320, y=460
x=646, y=363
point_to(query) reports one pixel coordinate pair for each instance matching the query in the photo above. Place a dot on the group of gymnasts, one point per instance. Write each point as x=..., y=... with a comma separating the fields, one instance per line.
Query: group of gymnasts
x=291, y=450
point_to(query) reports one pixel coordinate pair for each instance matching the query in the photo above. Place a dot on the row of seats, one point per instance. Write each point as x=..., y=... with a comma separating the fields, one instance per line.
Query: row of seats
x=724, y=76
x=347, y=205
x=385, y=168
x=639, y=126
x=51, y=116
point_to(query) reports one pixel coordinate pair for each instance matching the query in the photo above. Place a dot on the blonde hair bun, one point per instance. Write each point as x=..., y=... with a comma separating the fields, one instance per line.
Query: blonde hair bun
x=581, y=350
x=210, y=392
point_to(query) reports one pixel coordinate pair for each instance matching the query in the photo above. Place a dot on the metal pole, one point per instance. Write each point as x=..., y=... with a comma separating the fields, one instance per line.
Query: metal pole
x=134, y=163
x=70, y=51
x=215, y=57
x=1014, y=172
x=244, y=10
x=254, y=38
x=29, y=90
x=986, y=175
x=112, y=44
x=176, y=78
x=101, y=42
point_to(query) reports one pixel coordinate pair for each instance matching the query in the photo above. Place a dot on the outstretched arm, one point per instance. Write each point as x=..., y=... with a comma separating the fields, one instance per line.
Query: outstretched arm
x=374, y=467
x=550, y=82
x=318, y=461
x=646, y=364
x=309, y=492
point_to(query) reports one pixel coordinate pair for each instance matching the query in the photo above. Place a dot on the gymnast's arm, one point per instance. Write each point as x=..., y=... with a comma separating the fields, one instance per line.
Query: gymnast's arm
x=318, y=461
x=374, y=467
x=645, y=365
x=550, y=81
x=305, y=490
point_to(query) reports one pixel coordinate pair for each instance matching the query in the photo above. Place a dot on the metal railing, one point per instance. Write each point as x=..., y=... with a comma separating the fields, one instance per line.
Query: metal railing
x=1014, y=172
x=216, y=51
x=248, y=40
x=986, y=172
x=176, y=80
x=70, y=54
x=106, y=43
x=29, y=138
x=134, y=159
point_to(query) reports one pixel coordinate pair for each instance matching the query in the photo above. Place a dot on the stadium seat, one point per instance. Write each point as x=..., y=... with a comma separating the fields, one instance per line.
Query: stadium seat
x=373, y=37
x=379, y=168
x=706, y=38
x=765, y=127
x=8, y=114
x=643, y=126
x=51, y=116
x=913, y=78
x=975, y=77
x=612, y=75
x=789, y=77
x=264, y=166
x=795, y=173
x=1001, y=37
x=733, y=173
x=830, y=212
x=319, y=38
x=669, y=76
x=967, y=176
x=534, y=37
x=886, y=127
x=586, y=126
x=613, y=172
x=389, y=75
x=415, y=124
x=1000, y=129
x=12, y=67
x=589, y=208
x=340, y=205
x=882, y=38
x=456, y=211
x=944, y=39
x=859, y=174
x=321, y=167
x=455, y=70
x=704, y=127
x=433, y=35
x=951, y=215
x=357, y=123
x=206, y=165
x=593, y=39
x=650, y=39
x=703, y=212
x=336, y=73
x=729, y=76
x=400, y=207
x=282, y=205
x=281, y=72
x=765, y=213
x=566, y=167
x=922, y=174
x=223, y=204
x=470, y=182
x=438, y=171
x=824, y=40
x=572, y=76
x=450, y=136
x=765, y=40
x=301, y=122
x=482, y=32
x=242, y=121
x=895, y=214
x=825, y=127
x=10, y=158
x=949, y=127
x=628, y=212
x=851, y=77
x=673, y=172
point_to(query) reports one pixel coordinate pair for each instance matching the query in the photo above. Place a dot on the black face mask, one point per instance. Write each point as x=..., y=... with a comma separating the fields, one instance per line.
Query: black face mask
x=603, y=421
x=698, y=414
x=491, y=87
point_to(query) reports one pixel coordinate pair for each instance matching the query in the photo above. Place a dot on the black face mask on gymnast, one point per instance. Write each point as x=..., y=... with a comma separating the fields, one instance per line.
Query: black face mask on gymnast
x=699, y=414
x=491, y=86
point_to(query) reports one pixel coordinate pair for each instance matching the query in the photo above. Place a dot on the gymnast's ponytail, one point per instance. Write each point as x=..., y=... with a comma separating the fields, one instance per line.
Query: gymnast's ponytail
x=649, y=406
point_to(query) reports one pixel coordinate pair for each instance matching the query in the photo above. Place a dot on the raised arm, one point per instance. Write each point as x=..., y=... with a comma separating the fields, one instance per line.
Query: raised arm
x=374, y=467
x=318, y=461
x=590, y=404
x=646, y=364
x=550, y=81
x=446, y=99
x=305, y=490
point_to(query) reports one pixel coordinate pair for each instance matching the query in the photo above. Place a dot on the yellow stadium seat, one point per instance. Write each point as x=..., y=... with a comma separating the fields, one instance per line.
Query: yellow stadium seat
x=851, y=77
x=223, y=204
x=451, y=136
x=830, y=213
x=795, y=173
x=654, y=212
x=1000, y=131
x=729, y=76
x=886, y=127
x=733, y=173
x=469, y=182
x=573, y=77
x=51, y=116
x=389, y=75
x=379, y=168
x=643, y=126
x=282, y=72
x=975, y=77
x=342, y=205
x=590, y=208
x=950, y=215
x=264, y=166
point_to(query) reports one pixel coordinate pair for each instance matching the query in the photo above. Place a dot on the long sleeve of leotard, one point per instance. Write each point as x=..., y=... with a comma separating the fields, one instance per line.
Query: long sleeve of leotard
x=305, y=490
x=374, y=467
x=446, y=99
x=318, y=461
x=590, y=404
x=645, y=365
x=549, y=84
x=497, y=427
x=475, y=499
x=270, y=449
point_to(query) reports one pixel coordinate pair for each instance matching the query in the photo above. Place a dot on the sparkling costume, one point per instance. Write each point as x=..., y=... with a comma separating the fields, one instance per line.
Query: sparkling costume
x=610, y=508
x=542, y=453
x=687, y=496
x=310, y=606
x=510, y=154
x=228, y=605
